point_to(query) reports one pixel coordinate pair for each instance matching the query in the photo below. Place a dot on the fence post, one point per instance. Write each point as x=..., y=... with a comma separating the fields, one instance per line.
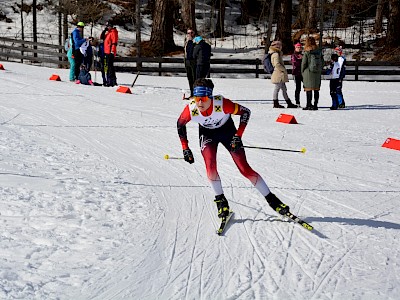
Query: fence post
x=356, y=69
x=257, y=68
x=159, y=66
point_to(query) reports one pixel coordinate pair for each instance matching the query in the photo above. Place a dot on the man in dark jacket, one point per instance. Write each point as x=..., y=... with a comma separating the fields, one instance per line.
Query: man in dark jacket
x=202, y=55
x=190, y=63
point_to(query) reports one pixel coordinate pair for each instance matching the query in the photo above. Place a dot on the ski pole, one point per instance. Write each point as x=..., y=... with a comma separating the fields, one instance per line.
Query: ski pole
x=166, y=156
x=302, y=150
x=137, y=75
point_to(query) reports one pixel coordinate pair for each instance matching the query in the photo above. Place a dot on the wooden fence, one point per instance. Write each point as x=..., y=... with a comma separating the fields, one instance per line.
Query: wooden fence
x=47, y=54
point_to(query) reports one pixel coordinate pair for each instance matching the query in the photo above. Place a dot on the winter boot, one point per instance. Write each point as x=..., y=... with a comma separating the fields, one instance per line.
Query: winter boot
x=277, y=105
x=277, y=204
x=222, y=205
x=290, y=104
x=309, y=98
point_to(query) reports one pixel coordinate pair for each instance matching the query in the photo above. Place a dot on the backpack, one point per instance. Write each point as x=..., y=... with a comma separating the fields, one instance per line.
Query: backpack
x=268, y=67
x=67, y=45
x=315, y=63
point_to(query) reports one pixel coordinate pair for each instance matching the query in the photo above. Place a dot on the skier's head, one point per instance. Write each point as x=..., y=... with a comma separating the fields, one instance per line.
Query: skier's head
x=80, y=25
x=202, y=92
x=203, y=87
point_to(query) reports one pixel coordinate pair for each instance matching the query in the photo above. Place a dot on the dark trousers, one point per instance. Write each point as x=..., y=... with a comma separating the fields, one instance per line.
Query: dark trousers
x=109, y=70
x=309, y=98
x=190, y=66
x=78, y=57
x=202, y=71
x=334, y=85
x=298, y=79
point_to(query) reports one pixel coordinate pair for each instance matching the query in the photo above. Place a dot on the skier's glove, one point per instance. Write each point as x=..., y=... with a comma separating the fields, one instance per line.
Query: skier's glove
x=188, y=156
x=236, y=143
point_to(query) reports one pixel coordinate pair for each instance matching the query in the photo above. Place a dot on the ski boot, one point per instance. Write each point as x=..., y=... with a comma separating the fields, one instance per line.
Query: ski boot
x=222, y=205
x=277, y=204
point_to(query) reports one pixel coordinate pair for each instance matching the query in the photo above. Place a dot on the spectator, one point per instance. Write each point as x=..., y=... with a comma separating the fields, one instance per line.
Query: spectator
x=84, y=76
x=77, y=41
x=110, y=37
x=296, y=70
x=311, y=69
x=71, y=60
x=190, y=62
x=279, y=76
x=334, y=73
x=202, y=55
x=342, y=73
x=87, y=51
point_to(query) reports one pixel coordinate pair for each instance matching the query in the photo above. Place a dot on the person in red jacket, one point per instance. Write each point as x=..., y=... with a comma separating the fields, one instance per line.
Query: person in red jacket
x=213, y=113
x=110, y=38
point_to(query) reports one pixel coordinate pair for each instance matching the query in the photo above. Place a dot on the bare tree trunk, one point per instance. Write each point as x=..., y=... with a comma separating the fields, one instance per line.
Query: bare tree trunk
x=270, y=22
x=284, y=25
x=378, y=17
x=188, y=14
x=22, y=29
x=138, y=33
x=244, y=19
x=311, y=23
x=393, y=37
x=161, y=39
x=220, y=28
x=34, y=26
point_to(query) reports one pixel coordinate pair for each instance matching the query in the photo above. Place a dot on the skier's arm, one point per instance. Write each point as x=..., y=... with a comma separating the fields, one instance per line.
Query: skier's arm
x=237, y=109
x=183, y=119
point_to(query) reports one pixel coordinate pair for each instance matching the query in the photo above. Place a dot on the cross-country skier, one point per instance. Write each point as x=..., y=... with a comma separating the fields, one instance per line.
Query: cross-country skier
x=213, y=113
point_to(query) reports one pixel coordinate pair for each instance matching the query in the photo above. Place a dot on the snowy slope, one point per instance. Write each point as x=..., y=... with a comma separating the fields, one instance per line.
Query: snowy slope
x=89, y=208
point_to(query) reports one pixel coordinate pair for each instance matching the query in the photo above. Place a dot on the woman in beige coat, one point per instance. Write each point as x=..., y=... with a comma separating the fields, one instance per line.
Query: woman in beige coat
x=279, y=76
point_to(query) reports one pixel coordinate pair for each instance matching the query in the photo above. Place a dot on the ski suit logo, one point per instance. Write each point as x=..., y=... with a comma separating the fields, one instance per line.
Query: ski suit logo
x=204, y=142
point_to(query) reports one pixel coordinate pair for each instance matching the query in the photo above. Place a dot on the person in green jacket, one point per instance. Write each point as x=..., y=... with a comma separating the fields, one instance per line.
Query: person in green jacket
x=311, y=69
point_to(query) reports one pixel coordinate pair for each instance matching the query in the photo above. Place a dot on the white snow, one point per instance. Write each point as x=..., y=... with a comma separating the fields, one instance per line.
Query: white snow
x=90, y=209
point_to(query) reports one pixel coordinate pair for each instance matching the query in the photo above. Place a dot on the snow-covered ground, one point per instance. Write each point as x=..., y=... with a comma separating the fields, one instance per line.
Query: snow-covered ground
x=90, y=209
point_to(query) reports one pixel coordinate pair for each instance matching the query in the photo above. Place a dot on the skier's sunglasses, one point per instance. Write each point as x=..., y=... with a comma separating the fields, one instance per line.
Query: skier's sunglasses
x=201, y=98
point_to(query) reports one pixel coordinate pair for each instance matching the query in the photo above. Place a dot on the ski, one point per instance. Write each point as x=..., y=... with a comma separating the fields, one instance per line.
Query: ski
x=224, y=223
x=299, y=221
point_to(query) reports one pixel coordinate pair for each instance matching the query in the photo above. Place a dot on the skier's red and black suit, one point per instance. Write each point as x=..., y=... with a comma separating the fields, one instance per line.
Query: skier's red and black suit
x=221, y=131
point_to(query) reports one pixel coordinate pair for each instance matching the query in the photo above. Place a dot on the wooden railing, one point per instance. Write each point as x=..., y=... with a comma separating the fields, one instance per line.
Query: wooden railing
x=30, y=52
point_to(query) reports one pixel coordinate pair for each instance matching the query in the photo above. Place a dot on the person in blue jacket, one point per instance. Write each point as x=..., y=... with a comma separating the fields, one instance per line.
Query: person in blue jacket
x=77, y=41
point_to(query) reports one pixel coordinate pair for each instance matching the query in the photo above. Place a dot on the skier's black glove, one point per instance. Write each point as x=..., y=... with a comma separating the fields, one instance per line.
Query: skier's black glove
x=188, y=156
x=236, y=143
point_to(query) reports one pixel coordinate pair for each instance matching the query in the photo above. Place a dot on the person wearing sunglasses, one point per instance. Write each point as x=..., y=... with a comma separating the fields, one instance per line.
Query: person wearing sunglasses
x=190, y=62
x=214, y=116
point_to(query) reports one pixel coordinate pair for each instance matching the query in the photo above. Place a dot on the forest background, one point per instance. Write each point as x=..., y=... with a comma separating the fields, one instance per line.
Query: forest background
x=291, y=21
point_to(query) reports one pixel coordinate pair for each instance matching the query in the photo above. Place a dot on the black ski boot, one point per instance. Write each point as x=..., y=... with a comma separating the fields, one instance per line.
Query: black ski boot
x=277, y=204
x=222, y=205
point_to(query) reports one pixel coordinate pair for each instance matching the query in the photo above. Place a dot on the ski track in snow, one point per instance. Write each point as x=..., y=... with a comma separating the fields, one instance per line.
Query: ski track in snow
x=91, y=210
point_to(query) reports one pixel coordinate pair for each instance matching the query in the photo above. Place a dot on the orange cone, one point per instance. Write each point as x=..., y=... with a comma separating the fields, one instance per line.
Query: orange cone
x=392, y=144
x=124, y=89
x=55, y=77
x=1, y=67
x=289, y=119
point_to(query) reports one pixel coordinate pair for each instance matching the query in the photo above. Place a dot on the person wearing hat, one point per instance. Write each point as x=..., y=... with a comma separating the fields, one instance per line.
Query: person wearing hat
x=202, y=55
x=311, y=69
x=279, y=76
x=342, y=72
x=190, y=62
x=110, y=38
x=77, y=41
x=214, y=116
x=296, y=71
